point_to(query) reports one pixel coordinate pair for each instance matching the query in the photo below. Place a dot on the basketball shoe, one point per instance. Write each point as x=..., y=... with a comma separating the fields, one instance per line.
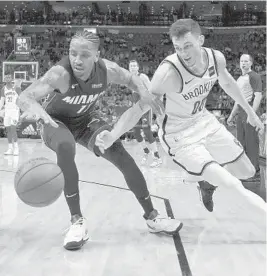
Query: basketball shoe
x=144, y=159
x=157, y=224
x=206, y=191
x=77, y=234
x=156, y=163
x=9, y=151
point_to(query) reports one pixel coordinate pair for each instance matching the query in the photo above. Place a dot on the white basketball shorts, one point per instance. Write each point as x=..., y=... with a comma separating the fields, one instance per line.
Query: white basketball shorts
x=11, y=117
x=203, y=142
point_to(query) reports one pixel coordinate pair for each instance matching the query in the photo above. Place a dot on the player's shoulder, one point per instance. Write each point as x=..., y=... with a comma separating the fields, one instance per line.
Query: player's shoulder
x=57, y=71
x=110, y=65
x=57, y=77
x=143, y=76
x=166, y=70
x=219, y=57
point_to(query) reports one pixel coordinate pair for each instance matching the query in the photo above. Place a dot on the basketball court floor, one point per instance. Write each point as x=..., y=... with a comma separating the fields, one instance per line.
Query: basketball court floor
x=231, y=241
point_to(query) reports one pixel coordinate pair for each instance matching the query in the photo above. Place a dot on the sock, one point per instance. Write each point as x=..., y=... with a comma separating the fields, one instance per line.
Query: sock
x=146, y=150
x=65, y=160
x=15, y=145
x=135, y=180
x=156, y=154
x=10, y=146
x=147, y=205
x=74, y=204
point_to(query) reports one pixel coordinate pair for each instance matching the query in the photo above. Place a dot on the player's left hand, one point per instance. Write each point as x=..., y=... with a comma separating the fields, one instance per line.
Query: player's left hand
x=255, y=121
x=104, y=140
x=154, y=102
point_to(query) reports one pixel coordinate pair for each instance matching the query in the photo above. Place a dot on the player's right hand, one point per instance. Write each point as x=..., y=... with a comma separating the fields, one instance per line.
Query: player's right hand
x=104, y=140
x=37, y=113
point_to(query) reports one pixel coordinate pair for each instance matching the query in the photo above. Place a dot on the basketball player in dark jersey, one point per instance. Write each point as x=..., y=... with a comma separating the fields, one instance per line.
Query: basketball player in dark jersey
x=69, y=117
x=145, y=122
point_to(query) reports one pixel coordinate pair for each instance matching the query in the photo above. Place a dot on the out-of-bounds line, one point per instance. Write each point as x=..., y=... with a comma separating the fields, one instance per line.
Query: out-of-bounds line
x=182, y=259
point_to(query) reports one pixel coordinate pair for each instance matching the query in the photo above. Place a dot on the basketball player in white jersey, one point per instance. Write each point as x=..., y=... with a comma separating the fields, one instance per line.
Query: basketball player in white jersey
x=145, y=122
x=8, y=98
x=190, y=134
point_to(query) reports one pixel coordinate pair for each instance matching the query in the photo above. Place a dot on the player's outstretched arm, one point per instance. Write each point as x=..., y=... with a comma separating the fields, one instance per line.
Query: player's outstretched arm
x=119, y=75
x=228, y=83
x=56, y=78
x=162, y=81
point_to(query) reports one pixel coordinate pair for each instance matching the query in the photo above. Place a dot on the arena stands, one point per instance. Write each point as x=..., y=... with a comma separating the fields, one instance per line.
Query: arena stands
x=148, y=46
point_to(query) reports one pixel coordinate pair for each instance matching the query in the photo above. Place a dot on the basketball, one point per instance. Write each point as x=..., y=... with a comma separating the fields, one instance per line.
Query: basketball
x=39, y=182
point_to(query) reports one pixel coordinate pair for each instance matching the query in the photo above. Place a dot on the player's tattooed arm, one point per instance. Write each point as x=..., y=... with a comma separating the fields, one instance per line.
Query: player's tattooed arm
x=162, y=82
x=119, y=75
x=57, y=78
x=228, y=83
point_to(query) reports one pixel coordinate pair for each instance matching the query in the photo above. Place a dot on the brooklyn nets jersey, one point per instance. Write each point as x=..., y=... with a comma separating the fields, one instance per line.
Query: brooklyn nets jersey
x=188, y=105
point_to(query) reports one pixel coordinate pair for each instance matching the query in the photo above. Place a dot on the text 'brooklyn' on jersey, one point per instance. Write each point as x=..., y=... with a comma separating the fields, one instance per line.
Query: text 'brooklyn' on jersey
x=81, y=96
x=188, y=104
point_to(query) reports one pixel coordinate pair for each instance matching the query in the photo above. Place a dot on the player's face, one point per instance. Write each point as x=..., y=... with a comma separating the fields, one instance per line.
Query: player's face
x=188, y=48
x=245, y=62
x=83, y=55
x=133, y=67
x=8, y=79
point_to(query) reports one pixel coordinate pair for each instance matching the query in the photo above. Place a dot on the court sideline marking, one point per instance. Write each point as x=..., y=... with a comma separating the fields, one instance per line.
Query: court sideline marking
x=181, y=255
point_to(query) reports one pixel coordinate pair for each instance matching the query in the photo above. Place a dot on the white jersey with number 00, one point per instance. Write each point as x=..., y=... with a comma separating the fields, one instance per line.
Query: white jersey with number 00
x=186, y=106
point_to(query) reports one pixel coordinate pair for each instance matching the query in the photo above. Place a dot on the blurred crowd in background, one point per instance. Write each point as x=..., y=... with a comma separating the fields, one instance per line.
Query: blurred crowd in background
x=149, y=49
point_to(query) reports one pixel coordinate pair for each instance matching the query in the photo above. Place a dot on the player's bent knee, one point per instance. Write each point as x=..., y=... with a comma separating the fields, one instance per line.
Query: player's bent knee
x=217, y=175
x=242, y=168
x=66, y=148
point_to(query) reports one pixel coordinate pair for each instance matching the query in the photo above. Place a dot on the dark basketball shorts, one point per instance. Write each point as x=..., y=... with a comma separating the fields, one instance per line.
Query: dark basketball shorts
x=82, y=130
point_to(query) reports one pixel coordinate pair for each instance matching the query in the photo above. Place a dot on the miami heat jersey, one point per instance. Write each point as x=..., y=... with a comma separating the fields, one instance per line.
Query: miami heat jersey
x=10, y=96
x=81, y=96
x=186, y=105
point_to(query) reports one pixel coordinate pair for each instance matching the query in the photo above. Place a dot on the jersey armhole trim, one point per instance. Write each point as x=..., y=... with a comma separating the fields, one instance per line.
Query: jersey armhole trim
x=173, y=65
x=215, y=62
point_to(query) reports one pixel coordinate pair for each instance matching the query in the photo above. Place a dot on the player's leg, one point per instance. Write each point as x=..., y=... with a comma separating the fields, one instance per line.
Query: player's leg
x=13, y=129
x=142, y=142
x=62, y=142
x=7, y=125
x=153, y=146
x=228, y=152
x=216, y=174
x=135, y=180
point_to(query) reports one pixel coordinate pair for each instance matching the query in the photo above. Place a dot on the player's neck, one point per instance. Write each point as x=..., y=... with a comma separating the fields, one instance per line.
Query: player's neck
x=9, y=85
